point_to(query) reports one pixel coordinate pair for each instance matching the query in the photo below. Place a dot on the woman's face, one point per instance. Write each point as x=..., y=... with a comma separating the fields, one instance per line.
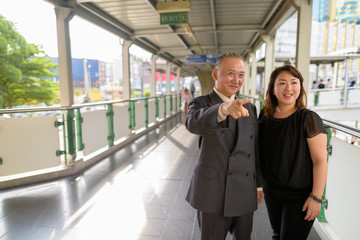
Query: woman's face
x=286, y=88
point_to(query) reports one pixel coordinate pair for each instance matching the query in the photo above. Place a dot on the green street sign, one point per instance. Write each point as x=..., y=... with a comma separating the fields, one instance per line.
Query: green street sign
x=174, y=18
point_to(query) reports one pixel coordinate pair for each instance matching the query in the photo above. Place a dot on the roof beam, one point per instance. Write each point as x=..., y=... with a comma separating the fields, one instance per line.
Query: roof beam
x=197, y=30
x=213, y=20
x=205, y=47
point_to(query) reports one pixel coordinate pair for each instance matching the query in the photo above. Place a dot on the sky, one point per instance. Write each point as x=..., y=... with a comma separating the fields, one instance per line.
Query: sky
x=35, y=20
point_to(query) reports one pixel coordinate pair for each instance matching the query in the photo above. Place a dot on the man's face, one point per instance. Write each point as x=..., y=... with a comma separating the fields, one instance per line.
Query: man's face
x=229, y=76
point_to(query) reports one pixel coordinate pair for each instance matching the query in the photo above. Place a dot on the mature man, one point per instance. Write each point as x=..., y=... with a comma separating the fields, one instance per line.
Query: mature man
x=223, y=188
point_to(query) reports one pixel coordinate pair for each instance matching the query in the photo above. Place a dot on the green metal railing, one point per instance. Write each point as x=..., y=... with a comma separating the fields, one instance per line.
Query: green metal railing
x=110, y=118
x=72, y=125
x=321, y=217
x=78, y=122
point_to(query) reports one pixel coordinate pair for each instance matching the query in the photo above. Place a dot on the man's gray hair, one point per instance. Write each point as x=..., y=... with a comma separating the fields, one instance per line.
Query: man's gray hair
x=229, y=54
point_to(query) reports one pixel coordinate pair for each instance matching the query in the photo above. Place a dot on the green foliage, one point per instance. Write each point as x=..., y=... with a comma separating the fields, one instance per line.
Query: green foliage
x=136, y=94
x=24, y=70
x=146, y=93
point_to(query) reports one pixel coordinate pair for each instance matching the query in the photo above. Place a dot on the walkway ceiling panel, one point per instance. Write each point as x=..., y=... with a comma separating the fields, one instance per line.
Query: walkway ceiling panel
x=165, y=41
x=235, y=38
x=206, y=38
x=214, y=26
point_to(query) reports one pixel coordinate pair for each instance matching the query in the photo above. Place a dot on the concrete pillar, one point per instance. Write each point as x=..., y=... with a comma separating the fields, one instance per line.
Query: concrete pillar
x=206, y=81
x=168, y=73
x=317, y=73
x=87, y=82
x=153, y=75
x=302, y=58
x=63, y=17
x=245, y=88
x=346, y=84
x=178, y=80
x=336, y=74
x=269, y=59
x=253, y=74
x=126, y=69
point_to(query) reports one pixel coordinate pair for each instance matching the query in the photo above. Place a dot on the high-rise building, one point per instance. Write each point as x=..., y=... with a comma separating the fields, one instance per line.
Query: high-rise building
x=321, y=10
x=346, y=10
x=336, y=10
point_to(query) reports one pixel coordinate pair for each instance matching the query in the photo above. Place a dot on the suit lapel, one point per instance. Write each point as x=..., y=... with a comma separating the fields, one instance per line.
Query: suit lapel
x=214, y=98
x=237, y=129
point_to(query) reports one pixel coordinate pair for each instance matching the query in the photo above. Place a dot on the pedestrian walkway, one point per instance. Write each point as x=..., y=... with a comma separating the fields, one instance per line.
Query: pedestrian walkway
x=136, y=193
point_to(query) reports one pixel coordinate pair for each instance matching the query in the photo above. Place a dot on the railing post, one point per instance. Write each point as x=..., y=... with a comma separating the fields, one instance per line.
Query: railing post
x=156, y=107
x=176, y=101
x=179, y=100
x=70, y=137
x=132, y=114
x=164, y=106
x=171, y=104
x=146, y=112
x=110, y=118
x=57, y=124
x=322, y=217
x=78, y=124
x=316, y=98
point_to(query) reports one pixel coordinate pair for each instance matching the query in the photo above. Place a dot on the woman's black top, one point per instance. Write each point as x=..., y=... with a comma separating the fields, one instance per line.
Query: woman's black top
x=285, y=157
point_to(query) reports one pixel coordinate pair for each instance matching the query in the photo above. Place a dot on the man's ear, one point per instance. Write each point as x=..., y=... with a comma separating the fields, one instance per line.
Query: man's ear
x=214, y=74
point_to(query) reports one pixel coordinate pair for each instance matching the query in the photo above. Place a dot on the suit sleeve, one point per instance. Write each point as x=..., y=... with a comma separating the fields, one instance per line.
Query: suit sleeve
x=202, y=118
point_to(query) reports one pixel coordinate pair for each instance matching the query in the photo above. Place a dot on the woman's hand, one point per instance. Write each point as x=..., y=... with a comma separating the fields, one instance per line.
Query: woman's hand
x=260, y=196
x=313, y=209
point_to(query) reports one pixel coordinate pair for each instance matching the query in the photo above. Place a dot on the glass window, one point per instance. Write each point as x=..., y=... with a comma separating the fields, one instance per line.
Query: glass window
x=96, y=62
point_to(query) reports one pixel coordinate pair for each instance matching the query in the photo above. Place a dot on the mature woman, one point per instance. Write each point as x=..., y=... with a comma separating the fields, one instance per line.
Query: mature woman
x=292, y=142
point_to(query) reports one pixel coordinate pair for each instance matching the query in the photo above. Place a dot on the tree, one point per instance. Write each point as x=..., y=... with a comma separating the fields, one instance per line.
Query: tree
x=25, y=70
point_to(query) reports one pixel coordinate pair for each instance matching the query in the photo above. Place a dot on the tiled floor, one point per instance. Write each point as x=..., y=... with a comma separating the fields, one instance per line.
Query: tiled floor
x=136, y=193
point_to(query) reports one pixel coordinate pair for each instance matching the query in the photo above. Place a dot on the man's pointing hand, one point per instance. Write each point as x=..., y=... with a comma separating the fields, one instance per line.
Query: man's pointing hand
x=235, y=108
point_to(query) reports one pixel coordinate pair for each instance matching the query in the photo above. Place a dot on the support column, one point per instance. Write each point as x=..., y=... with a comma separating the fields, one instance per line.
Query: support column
x=269, y=59
x=87, y=82
x=253, y=74
x=336, y=74
x=346, y=84
x=245, y=88
x=153, y=76
x=178, y=80
x=63, y=17
x=168, y=72
x=126, y=69
x=302, y=58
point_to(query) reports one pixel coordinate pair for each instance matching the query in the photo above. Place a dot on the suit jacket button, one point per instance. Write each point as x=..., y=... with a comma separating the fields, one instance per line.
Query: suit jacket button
x=249, y=155
x=247, y=174
x=229, y=174
x=251, y=136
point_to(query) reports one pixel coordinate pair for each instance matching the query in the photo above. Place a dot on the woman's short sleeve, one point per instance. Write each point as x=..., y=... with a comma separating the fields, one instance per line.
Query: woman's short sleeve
x=313, y=125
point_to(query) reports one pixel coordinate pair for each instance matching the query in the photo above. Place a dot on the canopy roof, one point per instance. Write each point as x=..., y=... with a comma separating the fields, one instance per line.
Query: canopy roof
x=214, y=26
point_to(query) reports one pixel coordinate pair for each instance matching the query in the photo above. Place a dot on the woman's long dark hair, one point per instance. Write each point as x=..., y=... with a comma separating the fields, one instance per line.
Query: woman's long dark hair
x=270, y=102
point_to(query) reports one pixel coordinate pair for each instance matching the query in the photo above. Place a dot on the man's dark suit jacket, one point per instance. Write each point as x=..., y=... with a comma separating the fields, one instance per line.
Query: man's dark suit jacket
x=224, y=181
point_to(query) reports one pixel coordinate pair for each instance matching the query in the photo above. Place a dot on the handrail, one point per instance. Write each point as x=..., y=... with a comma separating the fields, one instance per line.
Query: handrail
x=332, y=89
x=345, y=129
x=76, y=106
